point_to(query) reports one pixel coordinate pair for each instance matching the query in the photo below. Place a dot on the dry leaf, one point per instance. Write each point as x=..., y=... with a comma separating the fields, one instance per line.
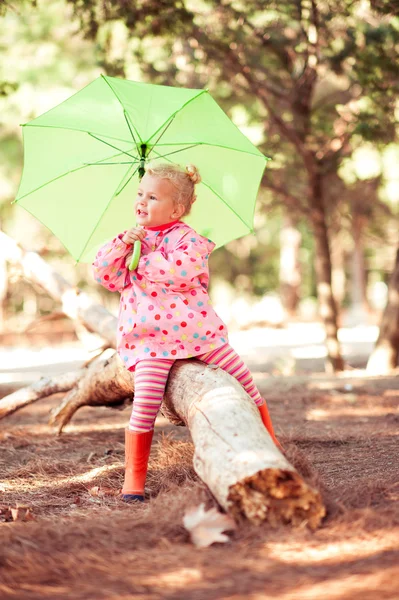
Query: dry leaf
x=101, y=492
x=21, y=513
x=206, y=527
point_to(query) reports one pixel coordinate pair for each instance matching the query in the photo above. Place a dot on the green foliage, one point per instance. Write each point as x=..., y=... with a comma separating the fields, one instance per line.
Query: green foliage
x=287, y=65
x=251, y=264
x=387, y=7
x=7, y=87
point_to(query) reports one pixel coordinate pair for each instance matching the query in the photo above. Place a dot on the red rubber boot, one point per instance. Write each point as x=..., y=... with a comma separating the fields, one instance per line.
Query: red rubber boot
x=137, y=453
x=267, y=422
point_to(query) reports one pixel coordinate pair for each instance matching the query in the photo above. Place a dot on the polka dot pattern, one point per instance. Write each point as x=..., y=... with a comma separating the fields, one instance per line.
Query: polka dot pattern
x=165, y=310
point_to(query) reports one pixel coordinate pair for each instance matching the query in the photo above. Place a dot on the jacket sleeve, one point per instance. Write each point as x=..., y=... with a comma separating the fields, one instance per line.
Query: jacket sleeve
x=109, y=267
x=179, y=268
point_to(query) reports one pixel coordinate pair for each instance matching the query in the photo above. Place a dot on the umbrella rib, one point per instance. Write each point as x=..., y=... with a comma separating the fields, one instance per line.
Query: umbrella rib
x=111, y=145
x=225, y=203
x=260, y=154
x=127, y=118
x=100, y=164
x=125, y=184
x=51, y=181
x=121, y=103
x=220, y=198
x=102, y=214
x=72, y=129
x=176, y=151
x=175, y=113
x=64, y=175
x=170, y=121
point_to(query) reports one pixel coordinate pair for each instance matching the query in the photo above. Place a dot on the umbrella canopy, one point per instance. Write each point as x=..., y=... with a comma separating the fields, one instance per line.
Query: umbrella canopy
x=83, y=161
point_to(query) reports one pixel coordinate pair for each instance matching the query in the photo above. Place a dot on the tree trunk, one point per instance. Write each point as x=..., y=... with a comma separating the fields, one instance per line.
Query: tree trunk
x=359, y=296
x=327, y=305
x=3, y=292
x=358, y=311
x=290, y=270
x=338, y=275
x=385, y=355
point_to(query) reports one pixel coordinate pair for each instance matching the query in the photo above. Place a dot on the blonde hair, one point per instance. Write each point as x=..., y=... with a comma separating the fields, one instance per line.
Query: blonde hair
x=183, y=180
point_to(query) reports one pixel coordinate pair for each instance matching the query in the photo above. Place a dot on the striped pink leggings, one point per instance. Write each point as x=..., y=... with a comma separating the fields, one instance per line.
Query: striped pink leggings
x=151, y=376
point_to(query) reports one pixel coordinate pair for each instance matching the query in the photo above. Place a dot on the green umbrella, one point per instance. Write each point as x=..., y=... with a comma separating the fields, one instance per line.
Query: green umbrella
x=84, y=159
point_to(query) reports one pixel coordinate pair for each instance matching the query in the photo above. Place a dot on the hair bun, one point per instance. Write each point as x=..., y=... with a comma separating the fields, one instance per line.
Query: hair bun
x=193, y=173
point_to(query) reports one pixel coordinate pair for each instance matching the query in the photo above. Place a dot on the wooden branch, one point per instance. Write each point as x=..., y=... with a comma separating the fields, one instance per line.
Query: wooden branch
x=285, y=129
x=259, y=89
x=75, y=304
x=290, y=200
x=43, y=388
x=107, y=383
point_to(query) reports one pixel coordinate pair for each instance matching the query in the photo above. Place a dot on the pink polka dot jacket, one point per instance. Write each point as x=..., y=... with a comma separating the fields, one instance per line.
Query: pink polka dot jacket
x=165, y=310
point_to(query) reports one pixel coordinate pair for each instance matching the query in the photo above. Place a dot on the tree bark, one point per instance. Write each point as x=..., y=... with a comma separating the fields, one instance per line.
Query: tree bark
x=359, y=281
x=357, y=313
x=40, y=389
x=327, y=305
x=3, y=292
x=106, y=383
x=385, y=355
x=290, y=270
x=338, y=274
x=234, y=455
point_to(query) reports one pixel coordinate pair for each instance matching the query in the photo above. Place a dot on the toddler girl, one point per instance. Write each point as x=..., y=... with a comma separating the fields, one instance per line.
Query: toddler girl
x=165, y=313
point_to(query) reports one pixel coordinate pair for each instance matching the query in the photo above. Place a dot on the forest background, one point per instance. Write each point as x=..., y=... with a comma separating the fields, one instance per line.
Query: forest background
x=312, y=84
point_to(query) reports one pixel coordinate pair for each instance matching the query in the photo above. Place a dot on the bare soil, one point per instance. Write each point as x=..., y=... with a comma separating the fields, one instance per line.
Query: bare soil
x=341, y=433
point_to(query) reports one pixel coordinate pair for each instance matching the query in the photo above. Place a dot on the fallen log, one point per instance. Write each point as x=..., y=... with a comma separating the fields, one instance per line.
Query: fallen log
x=234, y=454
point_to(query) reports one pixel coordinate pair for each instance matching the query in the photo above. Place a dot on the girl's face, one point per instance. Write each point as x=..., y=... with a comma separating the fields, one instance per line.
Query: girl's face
x=154, y=204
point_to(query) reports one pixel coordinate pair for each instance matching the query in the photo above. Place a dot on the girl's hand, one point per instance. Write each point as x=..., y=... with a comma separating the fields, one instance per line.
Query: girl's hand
x=133, y=235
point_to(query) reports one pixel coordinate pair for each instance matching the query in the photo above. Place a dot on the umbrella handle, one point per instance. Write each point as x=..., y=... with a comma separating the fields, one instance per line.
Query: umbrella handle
x=135, y=256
